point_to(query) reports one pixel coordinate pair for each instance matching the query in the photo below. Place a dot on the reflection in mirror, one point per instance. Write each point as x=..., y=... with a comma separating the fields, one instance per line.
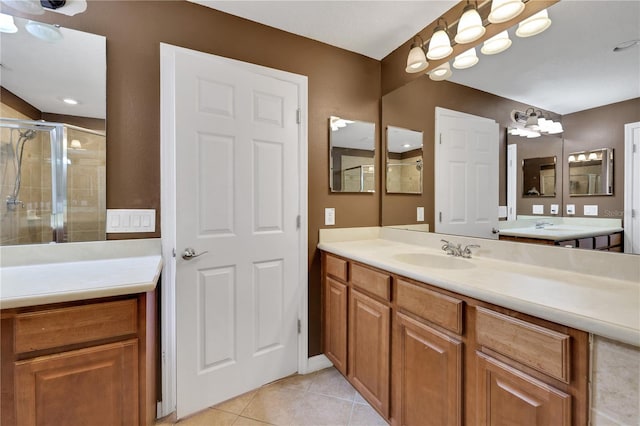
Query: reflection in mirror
x=351, y=155
x=539, y=177
x=404, y=161
x=591, y=172
x=52, y=135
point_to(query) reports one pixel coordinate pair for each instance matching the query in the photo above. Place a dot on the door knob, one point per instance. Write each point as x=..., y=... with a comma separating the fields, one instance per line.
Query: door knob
x=190, y=253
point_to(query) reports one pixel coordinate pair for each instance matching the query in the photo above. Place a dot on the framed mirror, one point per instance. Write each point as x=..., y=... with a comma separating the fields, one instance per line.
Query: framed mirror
x=53, y=183
x=591, y=172
x=539, y=177
x=351, y=155
x=404, y=161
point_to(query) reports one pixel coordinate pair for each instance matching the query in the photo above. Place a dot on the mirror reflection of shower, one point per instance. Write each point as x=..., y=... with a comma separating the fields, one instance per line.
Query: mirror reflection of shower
x=17, y=153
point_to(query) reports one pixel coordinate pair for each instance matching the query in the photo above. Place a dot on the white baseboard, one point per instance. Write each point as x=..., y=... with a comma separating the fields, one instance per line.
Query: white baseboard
x=316, y=363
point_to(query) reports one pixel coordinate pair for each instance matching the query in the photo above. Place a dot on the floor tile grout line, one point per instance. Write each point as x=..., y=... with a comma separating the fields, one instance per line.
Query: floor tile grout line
x=351, y=413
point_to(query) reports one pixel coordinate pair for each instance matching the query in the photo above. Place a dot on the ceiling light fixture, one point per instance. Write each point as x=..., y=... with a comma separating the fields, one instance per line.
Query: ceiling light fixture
x=45, y=32
x=32, y=7
x=505, y=10
x=7, y=25
x=70, y=101
x=440, y=44
x=442, y=72
x=534, y=24
x=466, y=60
x=417, y=59
x=496, y=44
x=470, y=26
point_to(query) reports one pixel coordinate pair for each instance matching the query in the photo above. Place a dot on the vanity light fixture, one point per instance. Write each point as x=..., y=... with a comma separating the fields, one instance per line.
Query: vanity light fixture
x=417, y=59
x=534, y=24
x=466, y=59
x=505, y=10
x=7, y=25
x=470, y=26
x=572, y=158
x=496, y=44
x=440, y=44
x=582, y=157
x=440, y=73
x=46, y=32
x=532, y=120
x=338, y=123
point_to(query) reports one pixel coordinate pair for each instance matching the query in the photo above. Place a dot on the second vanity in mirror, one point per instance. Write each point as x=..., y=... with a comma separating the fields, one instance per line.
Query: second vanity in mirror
x=52, y=135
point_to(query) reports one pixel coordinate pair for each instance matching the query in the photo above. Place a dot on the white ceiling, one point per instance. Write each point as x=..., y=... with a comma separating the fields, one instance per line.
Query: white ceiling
x=570, y=67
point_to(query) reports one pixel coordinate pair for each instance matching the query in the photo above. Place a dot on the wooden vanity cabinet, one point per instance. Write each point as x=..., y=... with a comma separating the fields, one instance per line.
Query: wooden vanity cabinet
x=335, y=323
x=80, y=363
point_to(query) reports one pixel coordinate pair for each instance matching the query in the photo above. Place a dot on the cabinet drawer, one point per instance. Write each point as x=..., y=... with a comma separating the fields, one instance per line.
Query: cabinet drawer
x=78, y=324
x=336, y=267
x=374, y=282
x=615, y=239
x=434, y=307
x=537, y=347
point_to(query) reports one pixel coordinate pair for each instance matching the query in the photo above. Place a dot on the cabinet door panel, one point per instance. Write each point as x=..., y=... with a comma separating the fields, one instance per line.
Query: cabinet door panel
x=509, y=397
x=369, y=322
x=430, y=375
x=335, y=324
x=93, y=386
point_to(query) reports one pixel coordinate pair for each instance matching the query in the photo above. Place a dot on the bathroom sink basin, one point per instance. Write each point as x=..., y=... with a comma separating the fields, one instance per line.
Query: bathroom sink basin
x=442, y=261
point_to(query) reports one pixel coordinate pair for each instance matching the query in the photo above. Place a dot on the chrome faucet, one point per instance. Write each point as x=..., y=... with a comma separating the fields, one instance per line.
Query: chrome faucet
x=457, y=250
x=542, y=224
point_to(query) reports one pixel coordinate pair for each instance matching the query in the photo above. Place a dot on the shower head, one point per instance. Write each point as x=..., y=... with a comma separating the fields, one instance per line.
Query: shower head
x=27, y=134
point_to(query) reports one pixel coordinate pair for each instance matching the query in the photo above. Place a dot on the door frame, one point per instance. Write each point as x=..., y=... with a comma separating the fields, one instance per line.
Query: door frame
x=168, y=214
x=631, y=197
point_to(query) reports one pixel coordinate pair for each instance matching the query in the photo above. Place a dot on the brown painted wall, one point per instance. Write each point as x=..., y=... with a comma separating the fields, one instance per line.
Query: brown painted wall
x=413, y=107
x=601, y=127
x=340, y=83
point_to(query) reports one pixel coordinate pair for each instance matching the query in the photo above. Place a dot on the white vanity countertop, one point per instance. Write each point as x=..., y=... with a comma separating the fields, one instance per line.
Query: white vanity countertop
x=560, y=232
x=598, y=304
x=36, y=275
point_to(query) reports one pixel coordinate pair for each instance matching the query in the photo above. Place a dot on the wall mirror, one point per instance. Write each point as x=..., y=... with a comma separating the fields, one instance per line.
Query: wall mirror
x=351, y=155
x=591, y=172
x=539, y=177
x=404, y=161
x=535, y=72
x=52, y=134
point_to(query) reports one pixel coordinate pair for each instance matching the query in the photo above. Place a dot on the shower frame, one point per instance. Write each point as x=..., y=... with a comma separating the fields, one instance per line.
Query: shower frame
x=58, y=144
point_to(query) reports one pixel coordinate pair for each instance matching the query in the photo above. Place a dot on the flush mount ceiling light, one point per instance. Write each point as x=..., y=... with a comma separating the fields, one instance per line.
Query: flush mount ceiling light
x=466, y=60
x=496, y=44
x=534, y=24
x=440, y=73
x=470, y=26
x=32, y=7
x=505, y=10
x=417, y=59
x=70, y=101
x=45, y=32
x=7, y=25
x=440, y=44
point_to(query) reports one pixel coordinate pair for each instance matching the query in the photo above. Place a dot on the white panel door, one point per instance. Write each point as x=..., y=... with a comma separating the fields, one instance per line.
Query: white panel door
x=237, y=198
x=466, y=174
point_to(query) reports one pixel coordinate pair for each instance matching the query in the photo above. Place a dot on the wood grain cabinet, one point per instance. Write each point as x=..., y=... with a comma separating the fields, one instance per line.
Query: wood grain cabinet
x=335, y=323
x=80, y=363
x=428, y=375
x=369, y=325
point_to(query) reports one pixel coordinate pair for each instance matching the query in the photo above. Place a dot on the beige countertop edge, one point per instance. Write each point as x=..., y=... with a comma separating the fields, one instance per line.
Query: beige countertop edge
x=84, y=294
x=595, y=233
x=578, y=321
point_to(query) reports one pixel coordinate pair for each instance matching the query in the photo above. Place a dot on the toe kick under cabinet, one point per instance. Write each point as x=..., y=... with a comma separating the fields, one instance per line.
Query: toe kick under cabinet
x=80, y=363
x=425, y=356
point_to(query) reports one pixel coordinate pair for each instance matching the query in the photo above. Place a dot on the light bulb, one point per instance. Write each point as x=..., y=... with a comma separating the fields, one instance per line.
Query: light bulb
x=439, y=45
x=470, y=26
x=534, y=25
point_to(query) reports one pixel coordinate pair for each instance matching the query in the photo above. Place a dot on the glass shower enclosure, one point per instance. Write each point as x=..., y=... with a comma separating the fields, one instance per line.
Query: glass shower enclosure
x=52, y=183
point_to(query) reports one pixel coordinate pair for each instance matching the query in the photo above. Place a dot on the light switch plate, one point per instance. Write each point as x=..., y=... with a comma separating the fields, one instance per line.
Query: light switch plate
x=571, y=209
x=329, y=216
x=554, y=209
x=591, y=210
x=420, y=214
x=538, y=209
x=128, y=220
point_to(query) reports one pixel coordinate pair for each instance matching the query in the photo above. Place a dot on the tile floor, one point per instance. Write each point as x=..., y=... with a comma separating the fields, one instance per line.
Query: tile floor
x=323, y=398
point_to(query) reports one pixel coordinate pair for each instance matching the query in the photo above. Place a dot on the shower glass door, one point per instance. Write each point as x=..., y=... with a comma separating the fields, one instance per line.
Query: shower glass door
x=33, y=164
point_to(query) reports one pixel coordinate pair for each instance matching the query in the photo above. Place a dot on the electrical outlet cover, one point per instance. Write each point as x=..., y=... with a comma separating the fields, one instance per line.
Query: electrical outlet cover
x=571, y=209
